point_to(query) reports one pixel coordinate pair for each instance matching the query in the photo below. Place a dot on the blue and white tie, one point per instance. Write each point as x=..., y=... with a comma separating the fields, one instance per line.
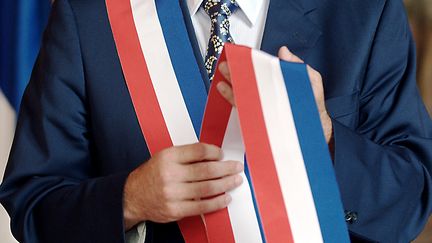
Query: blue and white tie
x=219, y=12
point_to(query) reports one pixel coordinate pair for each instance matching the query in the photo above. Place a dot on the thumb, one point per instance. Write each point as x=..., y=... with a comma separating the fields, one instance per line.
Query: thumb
x=286, y=55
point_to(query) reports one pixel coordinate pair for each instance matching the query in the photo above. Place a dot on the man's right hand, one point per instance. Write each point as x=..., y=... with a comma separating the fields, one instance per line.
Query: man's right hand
x=165, y=188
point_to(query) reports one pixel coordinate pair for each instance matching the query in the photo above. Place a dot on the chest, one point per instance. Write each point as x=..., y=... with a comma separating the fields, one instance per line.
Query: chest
x=340, y=58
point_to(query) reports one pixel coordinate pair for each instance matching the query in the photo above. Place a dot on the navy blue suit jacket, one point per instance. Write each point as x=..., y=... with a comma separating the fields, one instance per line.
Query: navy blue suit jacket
x=78, y=136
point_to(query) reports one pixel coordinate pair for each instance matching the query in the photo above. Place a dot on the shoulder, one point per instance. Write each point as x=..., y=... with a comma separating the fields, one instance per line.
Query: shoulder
x=81, y=5
x=89, y=16
x=370, y=9
x=87, y=11
x=364, y=6
x=86, y=8
x=355, y=9
x=367, y=16
x=87, y=22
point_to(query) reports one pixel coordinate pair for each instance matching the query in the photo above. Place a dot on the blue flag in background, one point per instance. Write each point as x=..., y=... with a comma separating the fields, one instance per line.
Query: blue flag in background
x=21, y=25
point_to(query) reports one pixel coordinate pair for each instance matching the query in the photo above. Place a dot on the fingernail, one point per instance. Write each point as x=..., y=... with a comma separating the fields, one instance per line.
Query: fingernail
x=221, y=86
x=228, y=198
x=285, y=49
x=285, y=54
x=222, y=66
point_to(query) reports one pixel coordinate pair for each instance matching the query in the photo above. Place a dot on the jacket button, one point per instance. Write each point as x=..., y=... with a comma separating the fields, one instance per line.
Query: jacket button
x=350, y=217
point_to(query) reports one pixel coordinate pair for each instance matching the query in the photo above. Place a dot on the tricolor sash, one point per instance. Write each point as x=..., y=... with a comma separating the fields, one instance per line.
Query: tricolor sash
x=289, y=192
x=289, y=170
x=163, y=78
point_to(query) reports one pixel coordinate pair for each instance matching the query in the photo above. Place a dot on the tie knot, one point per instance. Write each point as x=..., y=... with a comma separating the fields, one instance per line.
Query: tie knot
x=215, y=8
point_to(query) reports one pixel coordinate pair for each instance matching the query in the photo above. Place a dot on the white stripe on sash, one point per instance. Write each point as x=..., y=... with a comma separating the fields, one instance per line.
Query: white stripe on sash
x=241, y=209
x=162, y=74
x=286, y=149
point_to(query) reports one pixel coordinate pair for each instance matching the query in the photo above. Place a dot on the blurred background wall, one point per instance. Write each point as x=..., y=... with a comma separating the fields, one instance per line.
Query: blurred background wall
x=420, y=14
x=21, y=25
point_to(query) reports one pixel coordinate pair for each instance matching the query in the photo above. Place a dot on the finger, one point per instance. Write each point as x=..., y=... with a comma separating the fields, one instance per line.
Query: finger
x=205, y=189
x=193, y=153
x=286, y=55
x=313, y=74
x=198, y=207
x=212, y=170
x=224, y=70
x=226, y=91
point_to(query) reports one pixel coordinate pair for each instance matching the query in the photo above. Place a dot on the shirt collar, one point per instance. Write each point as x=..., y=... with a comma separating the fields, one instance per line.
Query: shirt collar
x=251, y=8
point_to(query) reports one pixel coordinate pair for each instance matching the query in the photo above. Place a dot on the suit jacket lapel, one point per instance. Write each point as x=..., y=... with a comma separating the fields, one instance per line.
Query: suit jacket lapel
x=194, y=42
x=288, y=25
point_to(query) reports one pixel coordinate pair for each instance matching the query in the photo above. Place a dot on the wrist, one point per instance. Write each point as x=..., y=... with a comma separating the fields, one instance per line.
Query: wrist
x=129, y=219
x=130, y=212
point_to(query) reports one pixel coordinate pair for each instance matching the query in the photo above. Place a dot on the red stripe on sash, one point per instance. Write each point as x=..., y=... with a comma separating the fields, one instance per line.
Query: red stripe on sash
x=144, y=98
x=262, y=169
x=214, y=125
x=137, y=76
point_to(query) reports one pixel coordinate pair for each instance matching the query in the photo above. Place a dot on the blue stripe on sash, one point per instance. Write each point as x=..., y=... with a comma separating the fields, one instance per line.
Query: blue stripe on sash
x=315, y=153
x=246, y=171
x=183, y=59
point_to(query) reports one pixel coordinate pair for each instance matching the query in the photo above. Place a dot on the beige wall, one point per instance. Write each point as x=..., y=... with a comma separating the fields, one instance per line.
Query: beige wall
x=7, y=123
x=420, y=13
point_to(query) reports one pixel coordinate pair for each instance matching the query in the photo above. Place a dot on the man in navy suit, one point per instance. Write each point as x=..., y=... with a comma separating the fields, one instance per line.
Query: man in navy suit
x=76, y=171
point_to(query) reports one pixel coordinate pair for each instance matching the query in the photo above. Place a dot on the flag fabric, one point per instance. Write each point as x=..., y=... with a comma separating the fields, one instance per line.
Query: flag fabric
x=21, y=26
x=289, y=192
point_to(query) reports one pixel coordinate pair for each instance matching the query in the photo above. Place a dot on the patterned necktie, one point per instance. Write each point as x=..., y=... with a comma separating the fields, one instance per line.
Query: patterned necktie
x=219, y=11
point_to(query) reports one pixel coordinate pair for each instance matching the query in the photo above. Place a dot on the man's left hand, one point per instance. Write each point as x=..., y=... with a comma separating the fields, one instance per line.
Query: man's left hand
x=316, y=82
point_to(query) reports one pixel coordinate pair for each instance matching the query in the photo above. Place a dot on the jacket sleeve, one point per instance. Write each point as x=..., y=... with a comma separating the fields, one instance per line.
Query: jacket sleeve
x=51, y=189
x=384, y=163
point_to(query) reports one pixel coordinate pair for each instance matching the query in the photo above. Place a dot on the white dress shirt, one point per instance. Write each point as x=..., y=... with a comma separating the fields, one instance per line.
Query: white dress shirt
x=247, y=28
x=247, y=23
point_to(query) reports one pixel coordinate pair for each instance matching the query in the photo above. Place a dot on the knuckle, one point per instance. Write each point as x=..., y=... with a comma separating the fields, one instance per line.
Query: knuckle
x=173, y=211
x=192, y=172
x=207, y=170
x=167, y=155
x=228, y=184
x=166, y=175
x=205, y=189
x=234, y=167
x=202, y=190
x=200, y=151
x=166, y=193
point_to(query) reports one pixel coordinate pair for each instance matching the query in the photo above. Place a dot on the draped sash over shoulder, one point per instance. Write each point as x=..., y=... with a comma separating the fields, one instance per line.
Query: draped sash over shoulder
x=281, y=199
